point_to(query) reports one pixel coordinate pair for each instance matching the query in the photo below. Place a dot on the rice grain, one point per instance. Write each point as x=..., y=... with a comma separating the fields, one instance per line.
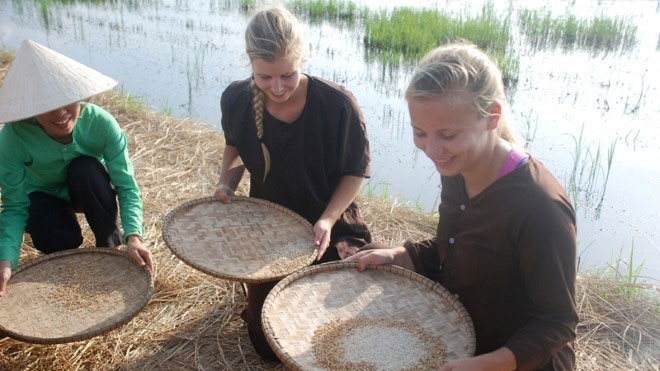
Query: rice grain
x=365, y=344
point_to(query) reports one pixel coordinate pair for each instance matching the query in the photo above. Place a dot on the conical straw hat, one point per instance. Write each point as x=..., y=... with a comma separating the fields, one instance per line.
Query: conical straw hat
x=41, y=80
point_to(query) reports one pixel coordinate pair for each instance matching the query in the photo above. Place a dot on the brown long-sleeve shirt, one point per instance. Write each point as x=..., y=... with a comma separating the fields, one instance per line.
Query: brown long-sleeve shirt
x=509, y=255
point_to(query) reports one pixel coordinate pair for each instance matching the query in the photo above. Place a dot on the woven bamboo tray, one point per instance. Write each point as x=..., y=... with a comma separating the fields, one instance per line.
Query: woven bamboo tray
x=248, y=240
x=73, y=295
x=318, y=295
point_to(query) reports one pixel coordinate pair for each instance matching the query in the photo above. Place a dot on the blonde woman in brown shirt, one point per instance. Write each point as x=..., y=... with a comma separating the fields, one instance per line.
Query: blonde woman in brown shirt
x=505, y=242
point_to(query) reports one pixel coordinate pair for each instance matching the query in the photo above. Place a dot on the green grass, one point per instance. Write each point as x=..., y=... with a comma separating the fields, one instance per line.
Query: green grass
x=247, y=5
x=590, y=173
x=624, y=271
x=530, y=129
x=405, y=35
x=166, y=109
x=130, y=102
x=381, y=191
x=342, y=11
x=597, y=34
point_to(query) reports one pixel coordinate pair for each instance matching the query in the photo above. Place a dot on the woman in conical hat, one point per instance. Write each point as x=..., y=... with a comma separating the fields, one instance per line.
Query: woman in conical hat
x=60, y=155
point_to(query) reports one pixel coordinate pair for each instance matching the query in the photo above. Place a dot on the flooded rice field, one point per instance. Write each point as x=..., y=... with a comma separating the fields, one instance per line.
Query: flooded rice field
x=590, y=113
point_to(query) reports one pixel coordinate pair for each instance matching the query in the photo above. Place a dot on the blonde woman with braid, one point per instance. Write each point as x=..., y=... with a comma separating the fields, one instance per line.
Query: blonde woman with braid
x=303, y=141
x=505, y=243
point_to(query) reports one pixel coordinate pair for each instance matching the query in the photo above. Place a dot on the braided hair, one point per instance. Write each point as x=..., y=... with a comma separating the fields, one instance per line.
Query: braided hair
x=272, y=32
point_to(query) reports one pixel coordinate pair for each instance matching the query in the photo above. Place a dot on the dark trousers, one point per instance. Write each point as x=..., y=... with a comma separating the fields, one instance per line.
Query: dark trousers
x=52, y=222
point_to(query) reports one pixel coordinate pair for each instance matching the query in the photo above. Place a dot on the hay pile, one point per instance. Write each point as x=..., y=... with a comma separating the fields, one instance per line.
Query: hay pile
x=192, y=321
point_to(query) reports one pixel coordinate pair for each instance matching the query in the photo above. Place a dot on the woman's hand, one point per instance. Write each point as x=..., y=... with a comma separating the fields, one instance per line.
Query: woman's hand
x=322, y=230
x=343, y=195
x=140, y=254
x=223, y=193
x=380, y=254
x=5, y=275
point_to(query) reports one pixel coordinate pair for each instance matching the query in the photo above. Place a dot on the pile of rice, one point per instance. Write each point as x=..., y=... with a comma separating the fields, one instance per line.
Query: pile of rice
x=366, y=344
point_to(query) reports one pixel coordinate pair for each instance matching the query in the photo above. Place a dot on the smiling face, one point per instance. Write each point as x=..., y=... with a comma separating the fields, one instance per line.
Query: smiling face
x=59, y=123
x=452, y=134
x=278, y=79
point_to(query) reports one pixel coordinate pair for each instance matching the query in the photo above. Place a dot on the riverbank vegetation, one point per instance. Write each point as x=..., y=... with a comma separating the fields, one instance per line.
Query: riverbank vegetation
x=543, y=30
x=192, y=321
x=398, y=37
x=401, y=36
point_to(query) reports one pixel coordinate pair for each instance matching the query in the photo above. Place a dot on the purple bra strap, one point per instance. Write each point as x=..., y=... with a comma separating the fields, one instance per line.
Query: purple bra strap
x=513, y=159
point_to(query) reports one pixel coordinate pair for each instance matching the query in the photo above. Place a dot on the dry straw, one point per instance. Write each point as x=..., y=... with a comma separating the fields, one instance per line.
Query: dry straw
x=192, y=321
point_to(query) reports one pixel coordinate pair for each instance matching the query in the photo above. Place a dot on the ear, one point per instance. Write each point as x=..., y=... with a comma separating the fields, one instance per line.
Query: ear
x=494, y=115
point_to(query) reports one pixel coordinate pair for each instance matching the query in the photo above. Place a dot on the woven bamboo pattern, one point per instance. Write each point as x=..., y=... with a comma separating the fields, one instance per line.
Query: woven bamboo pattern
x=248, y=240
x=317, y=295
x=73, y=295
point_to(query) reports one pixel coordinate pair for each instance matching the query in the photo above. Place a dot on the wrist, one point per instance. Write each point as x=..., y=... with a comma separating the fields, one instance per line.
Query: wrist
x=136, y=235
x=330, y=217
x=224, y=186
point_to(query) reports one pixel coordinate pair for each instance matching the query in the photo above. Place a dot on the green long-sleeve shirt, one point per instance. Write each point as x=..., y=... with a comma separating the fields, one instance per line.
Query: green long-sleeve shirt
x=31, y=161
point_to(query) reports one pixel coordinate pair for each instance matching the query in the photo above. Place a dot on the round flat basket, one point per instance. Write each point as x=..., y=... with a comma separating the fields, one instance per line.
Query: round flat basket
x=332, y=317
x=73, y=295
x=248, y=240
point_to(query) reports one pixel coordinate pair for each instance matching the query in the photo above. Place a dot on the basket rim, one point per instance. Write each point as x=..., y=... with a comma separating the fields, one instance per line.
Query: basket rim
x=436, y=287
x=128, y=316
x=168, y=236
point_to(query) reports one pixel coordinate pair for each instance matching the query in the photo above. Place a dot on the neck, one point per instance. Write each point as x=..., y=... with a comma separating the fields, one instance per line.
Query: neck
x=64, y=140
x=485, y=173
x=290, y=110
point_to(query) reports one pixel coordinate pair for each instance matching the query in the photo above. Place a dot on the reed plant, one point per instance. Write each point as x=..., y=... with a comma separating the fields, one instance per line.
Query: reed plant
x=589, y=172
x=69, y=2
x=633, y=108
x=608, y=168
x=623, y=269
x=131, y=102
x=600, y=33
x=530, y=129
x=44, y=5
x=572, y=186
x=378, y=190
x=404, y=35
x=246, y=5
x=344, y=11
x=631, y=273
x=632, y=137
x=166, y=109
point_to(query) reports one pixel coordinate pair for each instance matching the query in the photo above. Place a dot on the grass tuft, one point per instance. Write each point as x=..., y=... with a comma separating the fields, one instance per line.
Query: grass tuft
x=597, y=34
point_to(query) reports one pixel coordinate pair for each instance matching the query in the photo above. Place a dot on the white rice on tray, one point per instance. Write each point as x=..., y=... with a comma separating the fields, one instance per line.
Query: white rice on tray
x=367, y=344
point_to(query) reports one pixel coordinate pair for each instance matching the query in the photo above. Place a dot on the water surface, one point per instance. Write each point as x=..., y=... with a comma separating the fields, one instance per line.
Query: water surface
x=179, y=55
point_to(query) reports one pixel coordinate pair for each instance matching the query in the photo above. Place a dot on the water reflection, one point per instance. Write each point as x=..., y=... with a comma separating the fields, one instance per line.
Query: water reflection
x=571, y=106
